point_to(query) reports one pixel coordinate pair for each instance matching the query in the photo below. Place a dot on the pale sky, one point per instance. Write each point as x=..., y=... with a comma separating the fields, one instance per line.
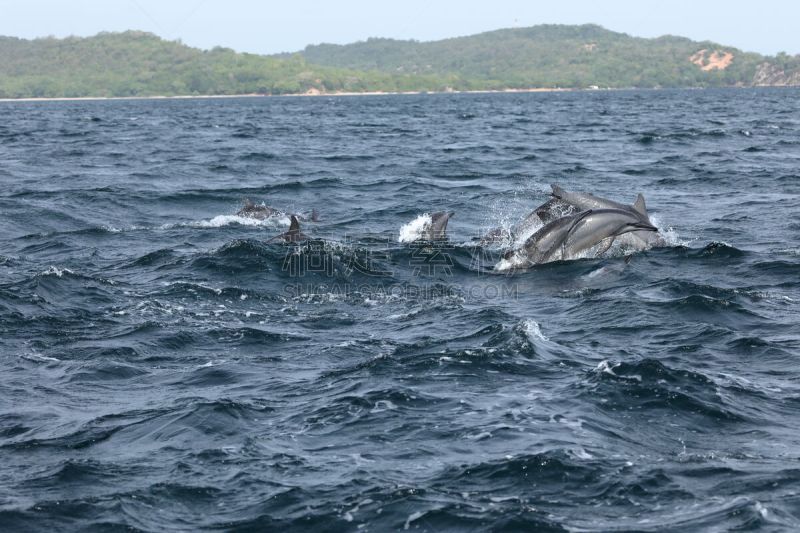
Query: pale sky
x=269, y=26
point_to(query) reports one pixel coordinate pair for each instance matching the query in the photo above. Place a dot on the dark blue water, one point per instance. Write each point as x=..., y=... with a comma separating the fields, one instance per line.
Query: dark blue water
x=162, y=367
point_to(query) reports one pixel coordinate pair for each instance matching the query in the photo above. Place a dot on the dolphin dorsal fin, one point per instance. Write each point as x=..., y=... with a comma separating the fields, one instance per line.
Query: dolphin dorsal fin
x=295, y=225
x=558, y=192
x=639, y=206
x=248, y=202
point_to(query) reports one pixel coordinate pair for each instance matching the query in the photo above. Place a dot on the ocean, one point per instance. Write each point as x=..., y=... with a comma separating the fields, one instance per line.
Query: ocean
x=164, y=367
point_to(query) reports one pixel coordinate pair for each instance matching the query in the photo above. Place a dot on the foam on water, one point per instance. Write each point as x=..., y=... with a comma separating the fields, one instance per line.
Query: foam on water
x=416, y=229
x=517, y=260
x=227, y=220
x=668, y=233
x=55, y=271
x=534, y=331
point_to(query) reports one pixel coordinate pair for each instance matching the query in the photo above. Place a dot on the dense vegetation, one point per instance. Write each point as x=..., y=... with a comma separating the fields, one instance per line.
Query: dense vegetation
x=545, y=56
x=141, y=64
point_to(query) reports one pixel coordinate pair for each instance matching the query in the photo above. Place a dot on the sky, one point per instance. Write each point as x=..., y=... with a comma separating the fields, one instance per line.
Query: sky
x=269, y=26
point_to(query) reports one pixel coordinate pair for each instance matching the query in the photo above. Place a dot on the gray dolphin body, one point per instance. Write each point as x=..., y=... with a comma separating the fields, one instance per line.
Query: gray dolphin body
x=258, y=212
x=597, y=225
x=263, y=212
x=543, y=245
x=526, y=225
x=564, y=203
x=437, y=231
x=293, y=235
x=583, y=201
x=568, y=236
x=552, y=209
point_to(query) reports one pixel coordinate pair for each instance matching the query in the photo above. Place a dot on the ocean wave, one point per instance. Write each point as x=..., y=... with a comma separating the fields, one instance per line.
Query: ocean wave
x=691, y=133
x=649, y=385
x=258, y=156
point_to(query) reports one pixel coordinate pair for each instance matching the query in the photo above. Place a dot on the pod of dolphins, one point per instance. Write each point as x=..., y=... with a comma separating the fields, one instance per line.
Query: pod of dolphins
x=574, y=224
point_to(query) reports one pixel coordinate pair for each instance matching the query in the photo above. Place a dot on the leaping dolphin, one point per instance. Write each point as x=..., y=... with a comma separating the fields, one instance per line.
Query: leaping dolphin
x=565, y=203
x=600, y=225
x=583, y=201
x=568, y=236
x=544, y=244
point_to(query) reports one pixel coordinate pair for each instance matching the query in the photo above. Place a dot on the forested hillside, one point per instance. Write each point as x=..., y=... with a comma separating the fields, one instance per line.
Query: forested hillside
x=553, y=56
x=141, y=64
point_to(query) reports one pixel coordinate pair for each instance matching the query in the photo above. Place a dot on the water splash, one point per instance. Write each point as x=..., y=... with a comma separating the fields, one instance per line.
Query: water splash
x=228, y=220
x=416, y=229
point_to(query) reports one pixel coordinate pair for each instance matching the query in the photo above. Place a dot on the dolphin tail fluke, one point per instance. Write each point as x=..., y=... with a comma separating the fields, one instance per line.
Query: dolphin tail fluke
x=639, y=205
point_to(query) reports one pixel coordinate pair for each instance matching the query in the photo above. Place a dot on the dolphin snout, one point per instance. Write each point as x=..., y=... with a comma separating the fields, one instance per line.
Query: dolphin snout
x=644, y=226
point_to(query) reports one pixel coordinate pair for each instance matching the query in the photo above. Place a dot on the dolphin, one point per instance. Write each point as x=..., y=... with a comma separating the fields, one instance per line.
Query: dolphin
x=258, y=212
x=568, y=203
x=566, y=237
x=263, y=212
x=544, y=244
x=583, y=201
x=526, y=225
x=293, y=235
x=437, y=230
x=552, y=209
x=598, y=225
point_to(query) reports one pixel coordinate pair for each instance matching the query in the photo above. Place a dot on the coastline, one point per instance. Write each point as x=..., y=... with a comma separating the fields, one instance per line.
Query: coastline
x=311, y=94
x=317, y=93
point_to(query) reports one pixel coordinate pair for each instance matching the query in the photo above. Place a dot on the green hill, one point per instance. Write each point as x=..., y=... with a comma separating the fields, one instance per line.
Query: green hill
x=550, y=56
x=141, y=64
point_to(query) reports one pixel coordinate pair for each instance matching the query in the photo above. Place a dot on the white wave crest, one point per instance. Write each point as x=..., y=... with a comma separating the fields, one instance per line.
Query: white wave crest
x=533, y=330
x=227, y=220
x=220, y=221
x=55, y=271
x=416, y=229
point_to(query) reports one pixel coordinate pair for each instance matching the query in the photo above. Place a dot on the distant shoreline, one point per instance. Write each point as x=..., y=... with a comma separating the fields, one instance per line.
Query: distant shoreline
x=291, y=95
x=316, y=94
